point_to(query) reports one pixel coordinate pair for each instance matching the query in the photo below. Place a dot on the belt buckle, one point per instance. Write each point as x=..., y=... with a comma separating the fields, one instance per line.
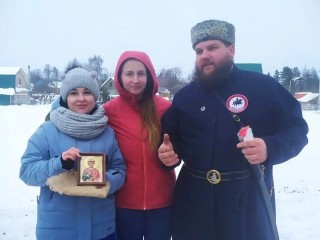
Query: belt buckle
x=213, y=176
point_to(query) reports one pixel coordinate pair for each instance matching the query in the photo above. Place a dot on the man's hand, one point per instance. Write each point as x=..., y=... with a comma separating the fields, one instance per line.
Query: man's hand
x=255, y=151
x=166, y=153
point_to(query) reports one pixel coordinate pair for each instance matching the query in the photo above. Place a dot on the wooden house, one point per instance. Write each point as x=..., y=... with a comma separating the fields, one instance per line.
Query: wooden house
x=14, y=86
x=108, y=90
x=308, y=100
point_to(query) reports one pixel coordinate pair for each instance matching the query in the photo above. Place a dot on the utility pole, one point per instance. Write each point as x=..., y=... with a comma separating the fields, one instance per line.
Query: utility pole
x=319, y=92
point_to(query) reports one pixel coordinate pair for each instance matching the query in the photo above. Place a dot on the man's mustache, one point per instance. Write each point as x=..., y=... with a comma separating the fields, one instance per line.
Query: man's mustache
x=207, y=63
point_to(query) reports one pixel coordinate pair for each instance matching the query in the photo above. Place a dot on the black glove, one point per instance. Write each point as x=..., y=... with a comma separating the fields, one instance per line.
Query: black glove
x=67, y=164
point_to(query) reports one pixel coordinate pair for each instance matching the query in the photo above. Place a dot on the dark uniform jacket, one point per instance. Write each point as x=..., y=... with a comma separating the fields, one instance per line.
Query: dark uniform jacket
x=204, y=135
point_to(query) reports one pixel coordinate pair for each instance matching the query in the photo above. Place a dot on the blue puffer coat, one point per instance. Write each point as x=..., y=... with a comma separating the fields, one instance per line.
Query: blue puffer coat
x=62, y=217
x=204, y=135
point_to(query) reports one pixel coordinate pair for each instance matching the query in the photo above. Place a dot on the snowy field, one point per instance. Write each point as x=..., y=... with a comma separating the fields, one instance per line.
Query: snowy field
x=297, y=181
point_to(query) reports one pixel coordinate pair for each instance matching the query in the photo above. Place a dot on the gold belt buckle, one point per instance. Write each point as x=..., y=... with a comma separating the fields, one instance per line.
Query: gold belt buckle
x=213, y=176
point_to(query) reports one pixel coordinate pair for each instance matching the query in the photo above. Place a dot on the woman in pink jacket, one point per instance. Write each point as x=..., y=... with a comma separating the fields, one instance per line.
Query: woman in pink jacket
x=144, y=202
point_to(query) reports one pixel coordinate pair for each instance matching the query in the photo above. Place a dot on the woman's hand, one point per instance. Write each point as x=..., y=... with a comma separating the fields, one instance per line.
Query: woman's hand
x=71, y=154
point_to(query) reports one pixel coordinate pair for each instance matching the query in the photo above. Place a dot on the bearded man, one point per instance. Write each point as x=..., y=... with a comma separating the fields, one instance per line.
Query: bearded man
x=217, y=196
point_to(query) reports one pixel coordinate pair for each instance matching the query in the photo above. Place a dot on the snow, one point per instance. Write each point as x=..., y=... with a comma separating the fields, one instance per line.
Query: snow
x=297, y=181
x=7, y=91
x=9, y=70
x=22, y=90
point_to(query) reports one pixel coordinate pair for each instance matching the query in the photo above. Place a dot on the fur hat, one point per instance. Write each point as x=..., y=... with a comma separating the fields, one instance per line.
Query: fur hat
x=212, y=30
x=79, y=77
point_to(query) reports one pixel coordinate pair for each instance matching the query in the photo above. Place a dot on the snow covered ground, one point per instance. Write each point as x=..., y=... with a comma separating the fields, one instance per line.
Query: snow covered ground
x=297, y=181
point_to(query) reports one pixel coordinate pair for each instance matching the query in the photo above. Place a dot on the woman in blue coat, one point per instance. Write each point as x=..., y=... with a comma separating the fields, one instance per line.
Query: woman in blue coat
x=76, y=126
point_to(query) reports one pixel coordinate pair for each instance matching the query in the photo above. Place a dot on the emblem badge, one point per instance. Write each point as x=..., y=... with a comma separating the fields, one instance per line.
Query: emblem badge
x=237, y=103
x=213, y=176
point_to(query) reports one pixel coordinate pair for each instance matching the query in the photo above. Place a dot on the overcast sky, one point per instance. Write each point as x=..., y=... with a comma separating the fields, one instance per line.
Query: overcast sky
x=276, y=33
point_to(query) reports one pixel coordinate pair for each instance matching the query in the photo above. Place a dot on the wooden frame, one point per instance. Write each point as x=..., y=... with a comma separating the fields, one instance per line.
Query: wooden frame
x=92, y=169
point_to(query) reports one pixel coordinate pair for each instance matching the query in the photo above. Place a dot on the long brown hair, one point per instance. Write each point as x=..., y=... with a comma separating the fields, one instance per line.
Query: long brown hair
x=148, y=113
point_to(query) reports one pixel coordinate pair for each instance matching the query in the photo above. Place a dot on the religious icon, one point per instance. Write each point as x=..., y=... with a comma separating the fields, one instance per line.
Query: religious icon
x=92, y=169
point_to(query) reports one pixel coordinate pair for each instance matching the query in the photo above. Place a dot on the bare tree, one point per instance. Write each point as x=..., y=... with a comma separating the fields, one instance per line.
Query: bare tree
x=72, y=64
x=95, y=64
x=171, y=79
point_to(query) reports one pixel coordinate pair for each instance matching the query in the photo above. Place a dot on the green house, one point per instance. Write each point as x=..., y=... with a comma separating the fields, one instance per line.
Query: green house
x=14, y=86
x=253, y=67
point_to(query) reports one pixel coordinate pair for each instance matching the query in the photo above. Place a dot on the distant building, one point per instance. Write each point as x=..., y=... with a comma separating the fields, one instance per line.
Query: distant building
x=253, y=67
x=14, y=86
x=308, y=100
x=164, y=92
x=108, y=90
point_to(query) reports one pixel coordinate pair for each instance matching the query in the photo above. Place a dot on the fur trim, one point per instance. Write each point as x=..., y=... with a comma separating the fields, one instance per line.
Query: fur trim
x=66, y=183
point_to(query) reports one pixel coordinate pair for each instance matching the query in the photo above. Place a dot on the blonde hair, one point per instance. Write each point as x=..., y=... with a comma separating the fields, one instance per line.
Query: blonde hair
x=148, y=113
x=150, y=120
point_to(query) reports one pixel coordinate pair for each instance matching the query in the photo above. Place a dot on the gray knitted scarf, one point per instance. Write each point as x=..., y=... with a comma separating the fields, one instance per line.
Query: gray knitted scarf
x=80, y=126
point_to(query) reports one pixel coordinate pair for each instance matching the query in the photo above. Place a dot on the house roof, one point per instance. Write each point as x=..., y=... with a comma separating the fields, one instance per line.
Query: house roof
x=297, y=78
x=253, y=67
x=305, y=96
x=9, y=70
x=108, y=80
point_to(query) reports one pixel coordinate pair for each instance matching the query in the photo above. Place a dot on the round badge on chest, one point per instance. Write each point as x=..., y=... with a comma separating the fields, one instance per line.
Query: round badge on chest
x=237, y=103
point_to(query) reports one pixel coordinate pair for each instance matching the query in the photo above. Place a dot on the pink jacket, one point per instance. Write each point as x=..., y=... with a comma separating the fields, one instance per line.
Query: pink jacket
x=148, y=184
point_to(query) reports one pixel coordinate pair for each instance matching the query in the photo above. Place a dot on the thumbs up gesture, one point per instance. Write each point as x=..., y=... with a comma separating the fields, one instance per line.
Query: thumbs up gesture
x=166, y=153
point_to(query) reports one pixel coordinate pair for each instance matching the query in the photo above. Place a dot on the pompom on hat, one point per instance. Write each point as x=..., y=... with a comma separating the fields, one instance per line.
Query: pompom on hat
x=212, y=30
x=79, y=77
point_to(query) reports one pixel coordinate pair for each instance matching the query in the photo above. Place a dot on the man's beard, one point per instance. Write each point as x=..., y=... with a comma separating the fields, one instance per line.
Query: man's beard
x=217, y=76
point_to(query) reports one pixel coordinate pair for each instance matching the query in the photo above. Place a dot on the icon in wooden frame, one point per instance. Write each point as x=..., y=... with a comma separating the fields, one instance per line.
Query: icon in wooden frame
x=92, y=169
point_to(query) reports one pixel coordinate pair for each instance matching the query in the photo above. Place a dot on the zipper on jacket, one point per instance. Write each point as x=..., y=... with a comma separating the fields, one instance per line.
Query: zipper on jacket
x=51, y=195
x=145, y=176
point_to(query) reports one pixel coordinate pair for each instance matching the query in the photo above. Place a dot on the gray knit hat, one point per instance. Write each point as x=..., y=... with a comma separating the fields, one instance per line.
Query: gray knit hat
x=212, y=30
x=79, y=77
